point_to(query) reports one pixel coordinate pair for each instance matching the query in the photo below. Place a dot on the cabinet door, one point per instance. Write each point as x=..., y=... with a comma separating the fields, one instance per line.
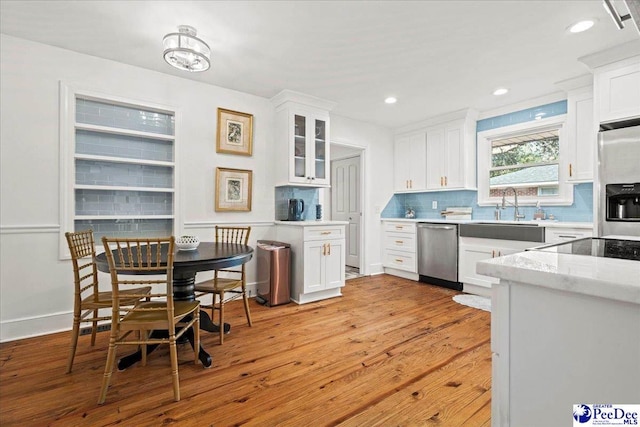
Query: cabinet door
x=319, y=158
x=298, y=171
x=314, y=264
x=435, y=156
x=618, y=93
x=469, y=255
x=410, y=163
x=453, y=159
x=334, y=261
x=581, y=137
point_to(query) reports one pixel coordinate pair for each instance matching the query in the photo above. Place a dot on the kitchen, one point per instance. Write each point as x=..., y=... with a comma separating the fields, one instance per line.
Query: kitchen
x=24, y=219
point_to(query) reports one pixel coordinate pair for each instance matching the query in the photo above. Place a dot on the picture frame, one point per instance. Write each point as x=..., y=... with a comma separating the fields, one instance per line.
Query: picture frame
x=233, y=190
x=235, y=132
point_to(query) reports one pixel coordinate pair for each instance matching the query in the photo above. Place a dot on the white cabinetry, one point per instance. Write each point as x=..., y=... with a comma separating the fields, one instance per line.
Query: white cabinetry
x=451, y=155
x=302, y=140
x=472, y=249
x=581, y=135
x=400, y=249
x=559, y=235
x=618, y=91
x=409, y=163
x=318, y=260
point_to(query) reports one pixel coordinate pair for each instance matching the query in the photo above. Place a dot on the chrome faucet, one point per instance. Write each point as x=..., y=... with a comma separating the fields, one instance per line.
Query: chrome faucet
x=516, y=214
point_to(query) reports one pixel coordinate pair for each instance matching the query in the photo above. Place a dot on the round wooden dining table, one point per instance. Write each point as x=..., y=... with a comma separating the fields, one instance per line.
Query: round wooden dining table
x=186, y=264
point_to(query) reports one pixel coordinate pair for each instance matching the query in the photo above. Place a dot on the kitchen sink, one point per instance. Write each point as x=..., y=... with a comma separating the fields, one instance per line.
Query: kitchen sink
x=501, y=231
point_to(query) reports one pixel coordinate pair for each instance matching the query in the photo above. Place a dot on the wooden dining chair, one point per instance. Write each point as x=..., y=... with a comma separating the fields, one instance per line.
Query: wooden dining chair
x=87, y=299
x=231, y=286
x=131, y=262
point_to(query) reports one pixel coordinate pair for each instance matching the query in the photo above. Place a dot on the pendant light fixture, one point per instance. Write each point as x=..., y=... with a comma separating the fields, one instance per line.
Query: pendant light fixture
x=185, y=51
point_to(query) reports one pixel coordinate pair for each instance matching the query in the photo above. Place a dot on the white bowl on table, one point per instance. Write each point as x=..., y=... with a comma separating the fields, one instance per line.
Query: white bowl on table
x=187, y=243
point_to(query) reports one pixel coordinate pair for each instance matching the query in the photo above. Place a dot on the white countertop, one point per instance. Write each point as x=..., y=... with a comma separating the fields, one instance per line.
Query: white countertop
x=609, y=278
x=544, y=223
x=311, y=223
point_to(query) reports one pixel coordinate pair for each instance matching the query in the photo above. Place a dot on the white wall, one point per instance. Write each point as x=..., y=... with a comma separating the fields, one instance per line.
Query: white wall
x=36, y=288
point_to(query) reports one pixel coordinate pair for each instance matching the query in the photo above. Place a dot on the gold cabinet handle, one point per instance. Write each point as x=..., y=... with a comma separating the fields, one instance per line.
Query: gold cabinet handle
x=399, y=260
x=399, y=242
x=325, y=232
x=406, y=184
x=493, y=254
x=445, y=181
x=410, y=183
x=570, y=169
x=324, y=249
x=399, y=227
x=329, y=248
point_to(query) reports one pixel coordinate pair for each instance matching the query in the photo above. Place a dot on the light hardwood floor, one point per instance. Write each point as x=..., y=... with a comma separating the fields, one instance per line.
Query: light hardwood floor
x=390, y=352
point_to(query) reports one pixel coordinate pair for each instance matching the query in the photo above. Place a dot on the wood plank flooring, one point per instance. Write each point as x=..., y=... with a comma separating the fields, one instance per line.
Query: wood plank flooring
x=390, y=352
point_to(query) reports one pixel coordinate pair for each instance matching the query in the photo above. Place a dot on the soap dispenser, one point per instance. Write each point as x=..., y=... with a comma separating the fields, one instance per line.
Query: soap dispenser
x=496, y=214
x=539, y=215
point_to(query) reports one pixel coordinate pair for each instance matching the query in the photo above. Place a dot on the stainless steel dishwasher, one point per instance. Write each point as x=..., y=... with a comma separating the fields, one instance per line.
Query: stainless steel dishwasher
x=438, y=254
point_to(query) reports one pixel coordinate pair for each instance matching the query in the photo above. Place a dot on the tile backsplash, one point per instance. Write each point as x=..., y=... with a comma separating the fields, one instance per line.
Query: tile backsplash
x=310, y=196
x=580, y=211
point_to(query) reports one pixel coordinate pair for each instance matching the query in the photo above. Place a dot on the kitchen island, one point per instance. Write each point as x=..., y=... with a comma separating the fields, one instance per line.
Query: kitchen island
x=565, y=330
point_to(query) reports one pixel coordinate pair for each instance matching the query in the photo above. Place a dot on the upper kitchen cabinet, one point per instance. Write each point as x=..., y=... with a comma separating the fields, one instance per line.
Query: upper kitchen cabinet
x=581, y=135
x=616, y=81
x=451, y=154
x=409, y=163
x=618, y=92
x=302, y=139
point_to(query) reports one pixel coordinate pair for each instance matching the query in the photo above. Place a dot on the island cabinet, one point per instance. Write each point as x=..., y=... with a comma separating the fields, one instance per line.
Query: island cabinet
x=451, y=155
x=564, y=331
x=317, y=260
x=302, y=140
x=472, y=250
x=410, y=163
x=399, y=256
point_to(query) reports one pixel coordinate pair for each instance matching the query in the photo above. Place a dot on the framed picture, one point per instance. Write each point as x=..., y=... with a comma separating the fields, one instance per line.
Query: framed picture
x=235, y=132
x=233, y=189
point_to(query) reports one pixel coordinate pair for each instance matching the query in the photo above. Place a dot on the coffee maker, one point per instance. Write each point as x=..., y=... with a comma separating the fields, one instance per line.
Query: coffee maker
x=296, y=209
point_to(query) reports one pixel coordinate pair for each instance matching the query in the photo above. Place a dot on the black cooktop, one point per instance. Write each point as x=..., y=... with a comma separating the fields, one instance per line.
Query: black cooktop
x=599, y=247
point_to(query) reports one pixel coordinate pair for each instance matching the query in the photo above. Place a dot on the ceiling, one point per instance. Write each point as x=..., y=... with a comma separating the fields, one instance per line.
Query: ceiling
x=434, y=56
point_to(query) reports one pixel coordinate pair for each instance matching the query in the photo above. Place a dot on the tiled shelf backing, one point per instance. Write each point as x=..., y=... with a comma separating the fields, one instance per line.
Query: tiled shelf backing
x=126, y=227
x=118, y=116
x=105, y=144
x=90, y=172
x=110, y=202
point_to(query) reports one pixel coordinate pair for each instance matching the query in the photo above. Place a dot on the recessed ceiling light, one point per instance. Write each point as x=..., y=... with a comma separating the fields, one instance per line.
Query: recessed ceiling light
x=390, y=100
x=500, y=91
x=581, y=26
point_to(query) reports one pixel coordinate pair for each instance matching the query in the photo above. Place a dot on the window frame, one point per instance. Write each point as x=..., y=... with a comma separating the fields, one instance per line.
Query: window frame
x=68, y=94
x=484, y=140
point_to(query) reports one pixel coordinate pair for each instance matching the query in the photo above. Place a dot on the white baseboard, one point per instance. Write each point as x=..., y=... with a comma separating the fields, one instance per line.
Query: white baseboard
x=476, y=290
x=28, y=327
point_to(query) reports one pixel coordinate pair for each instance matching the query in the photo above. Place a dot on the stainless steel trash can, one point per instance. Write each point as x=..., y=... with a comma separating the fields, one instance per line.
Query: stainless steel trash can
x=274, y=272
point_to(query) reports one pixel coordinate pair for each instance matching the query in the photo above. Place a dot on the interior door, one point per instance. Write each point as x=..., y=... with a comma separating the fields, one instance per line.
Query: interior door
x=345, y=203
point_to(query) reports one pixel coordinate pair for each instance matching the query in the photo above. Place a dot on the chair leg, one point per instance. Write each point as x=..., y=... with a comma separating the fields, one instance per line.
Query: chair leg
x=143, y=336
x=196, y=338
x=221, y=310
x=173, y=349
x=108, y=369
x=94, y=328
x=246, y=305
x=75, y=332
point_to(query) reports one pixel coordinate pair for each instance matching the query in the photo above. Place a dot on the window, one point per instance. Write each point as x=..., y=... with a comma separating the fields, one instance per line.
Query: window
x=118, y=167
x=526, y=157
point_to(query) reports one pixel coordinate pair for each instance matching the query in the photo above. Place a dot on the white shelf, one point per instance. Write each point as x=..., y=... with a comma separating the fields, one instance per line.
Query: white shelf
x=124, y=188
x=127, y=160
x=127, y=132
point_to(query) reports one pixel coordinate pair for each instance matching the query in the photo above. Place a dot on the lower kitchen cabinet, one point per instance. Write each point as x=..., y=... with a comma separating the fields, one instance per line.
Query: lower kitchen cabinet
x=399, y=256
x=317, y=260
x=559, y=235
x=472, y=249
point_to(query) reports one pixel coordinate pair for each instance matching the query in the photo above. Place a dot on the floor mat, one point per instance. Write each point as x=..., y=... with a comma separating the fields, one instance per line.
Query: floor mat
x=475, y=301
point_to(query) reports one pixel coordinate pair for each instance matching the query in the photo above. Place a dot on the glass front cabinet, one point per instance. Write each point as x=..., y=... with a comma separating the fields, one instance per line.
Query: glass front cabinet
x=302, y=145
